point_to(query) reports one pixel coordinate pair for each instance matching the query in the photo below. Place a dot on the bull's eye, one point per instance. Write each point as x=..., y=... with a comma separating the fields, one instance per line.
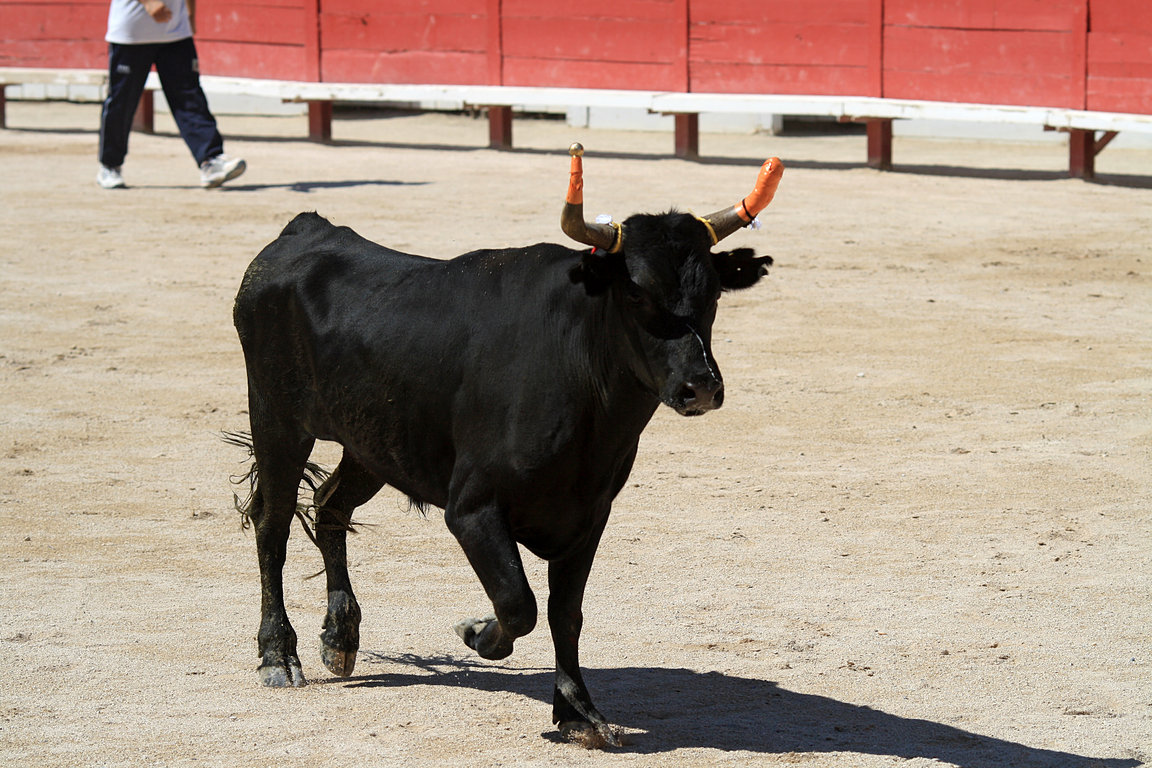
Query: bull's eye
x=634, y=293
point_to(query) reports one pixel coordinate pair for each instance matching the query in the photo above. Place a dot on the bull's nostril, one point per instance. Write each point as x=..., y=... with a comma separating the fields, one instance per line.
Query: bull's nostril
x=708, y=394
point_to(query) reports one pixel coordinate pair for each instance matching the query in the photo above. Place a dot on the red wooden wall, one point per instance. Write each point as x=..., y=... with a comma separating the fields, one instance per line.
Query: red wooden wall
x=639, y=44
x=986, y=51
x=425, y=41
x=53, y=33
x=1120, y=56
x=802, y=47
x=1079, y=54
x=274, y=39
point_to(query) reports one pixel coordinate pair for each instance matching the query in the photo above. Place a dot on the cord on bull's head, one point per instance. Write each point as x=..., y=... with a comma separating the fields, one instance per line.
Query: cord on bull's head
x=610, y=237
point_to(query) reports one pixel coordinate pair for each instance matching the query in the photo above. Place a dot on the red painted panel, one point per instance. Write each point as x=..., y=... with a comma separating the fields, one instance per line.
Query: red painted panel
x=404, y=67
x=406, y=7
x=610, y=40
x=72, y=54
x=1120, y=95
x=1120, y=55
x=809, y=44
x=272, y=62
x=753, y=11
x=592, y=74
x=1039, y=14
x=1037, y=90
x=1120, y=16
x=401, y=32
x=951, y=50
x=251, y=24
x=983, y=14
x=54, y=22
x=563, y=10
x=222, y=6
x=709, y=77
x=995, y=67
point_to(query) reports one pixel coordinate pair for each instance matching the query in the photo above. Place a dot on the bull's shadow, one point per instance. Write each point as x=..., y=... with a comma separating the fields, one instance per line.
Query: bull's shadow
x=680, y=709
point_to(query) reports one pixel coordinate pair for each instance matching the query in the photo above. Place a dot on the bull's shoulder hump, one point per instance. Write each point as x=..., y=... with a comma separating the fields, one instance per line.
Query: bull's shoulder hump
x=309, y=236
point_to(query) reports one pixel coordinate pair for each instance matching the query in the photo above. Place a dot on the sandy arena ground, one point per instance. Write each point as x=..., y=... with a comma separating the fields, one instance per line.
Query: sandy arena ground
x=917, y=534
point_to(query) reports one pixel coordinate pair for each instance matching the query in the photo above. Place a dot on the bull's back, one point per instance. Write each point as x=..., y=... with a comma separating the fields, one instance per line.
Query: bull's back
x=309, y=255
x=380, y=350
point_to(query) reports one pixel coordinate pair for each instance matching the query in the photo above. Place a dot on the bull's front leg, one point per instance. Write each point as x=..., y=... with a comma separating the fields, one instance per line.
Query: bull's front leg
x=572, y=708
x=483, y=532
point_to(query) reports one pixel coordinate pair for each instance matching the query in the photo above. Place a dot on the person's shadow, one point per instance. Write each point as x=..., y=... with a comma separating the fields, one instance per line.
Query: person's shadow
x=681, y=709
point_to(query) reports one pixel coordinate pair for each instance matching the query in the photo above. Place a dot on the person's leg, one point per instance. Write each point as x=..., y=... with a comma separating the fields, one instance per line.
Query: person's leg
x=128, y=67
x=179, y=71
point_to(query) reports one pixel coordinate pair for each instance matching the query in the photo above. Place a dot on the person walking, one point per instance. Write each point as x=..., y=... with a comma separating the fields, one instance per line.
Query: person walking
x=143, y=33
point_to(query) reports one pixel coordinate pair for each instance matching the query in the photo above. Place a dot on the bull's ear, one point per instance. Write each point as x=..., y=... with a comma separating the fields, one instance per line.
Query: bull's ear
x=596, y=270
x=740, y=268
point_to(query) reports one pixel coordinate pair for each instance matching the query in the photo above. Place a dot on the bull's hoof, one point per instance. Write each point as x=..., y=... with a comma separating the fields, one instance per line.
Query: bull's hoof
x=468, y=629
x=339, y=663
x=590, y=736
x=282, y=676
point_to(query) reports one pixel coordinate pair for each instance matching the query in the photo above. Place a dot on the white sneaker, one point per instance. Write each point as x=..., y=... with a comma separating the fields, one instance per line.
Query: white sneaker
x=220, y=169
x=110, y=178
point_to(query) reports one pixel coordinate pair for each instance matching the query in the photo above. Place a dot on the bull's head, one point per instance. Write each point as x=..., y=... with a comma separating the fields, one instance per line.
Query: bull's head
x=661, y=272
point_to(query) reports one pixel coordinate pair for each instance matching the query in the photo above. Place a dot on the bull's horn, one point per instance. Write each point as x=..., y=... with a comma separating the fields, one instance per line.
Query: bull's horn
x=606, y=236
x=727, y=220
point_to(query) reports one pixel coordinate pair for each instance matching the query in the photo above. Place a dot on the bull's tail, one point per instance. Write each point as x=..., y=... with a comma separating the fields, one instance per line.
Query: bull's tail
x=314, y=476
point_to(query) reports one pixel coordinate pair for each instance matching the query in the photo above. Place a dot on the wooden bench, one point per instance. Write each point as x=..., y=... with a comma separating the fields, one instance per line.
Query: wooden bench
x=500, y=102
x=97, y=78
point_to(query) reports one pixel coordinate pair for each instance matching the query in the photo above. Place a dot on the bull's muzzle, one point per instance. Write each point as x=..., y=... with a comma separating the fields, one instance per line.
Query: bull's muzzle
x=696, y=398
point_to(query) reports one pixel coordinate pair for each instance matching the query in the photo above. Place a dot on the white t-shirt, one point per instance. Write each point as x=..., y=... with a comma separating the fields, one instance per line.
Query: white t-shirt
x=130, y=24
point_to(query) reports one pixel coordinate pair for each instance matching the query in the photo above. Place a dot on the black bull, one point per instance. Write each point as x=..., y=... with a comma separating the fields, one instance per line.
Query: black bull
x=508, y=387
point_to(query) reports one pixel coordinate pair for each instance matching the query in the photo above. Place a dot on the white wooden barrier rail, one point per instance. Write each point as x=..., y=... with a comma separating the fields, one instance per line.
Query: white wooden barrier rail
x=499, y=101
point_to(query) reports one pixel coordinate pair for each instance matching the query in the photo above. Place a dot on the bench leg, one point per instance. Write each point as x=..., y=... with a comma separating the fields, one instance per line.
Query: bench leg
x=1082, y=154
x=320, y=120
x=144, y=120
x=1083, y=146
x=687, y=135
x=880, y=144
x=500, y=127
x=3, y=105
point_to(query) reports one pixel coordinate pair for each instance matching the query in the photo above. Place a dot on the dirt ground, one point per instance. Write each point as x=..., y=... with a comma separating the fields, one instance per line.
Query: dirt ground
x=917, y=534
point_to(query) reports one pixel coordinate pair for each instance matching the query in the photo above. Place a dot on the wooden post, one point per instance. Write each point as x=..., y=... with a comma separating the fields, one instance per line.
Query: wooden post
x=1082, y=154
x=880, y=144
x=500, y=127
x=687, y=135
x=144, y=119
x=320, y=120
x=3, y=103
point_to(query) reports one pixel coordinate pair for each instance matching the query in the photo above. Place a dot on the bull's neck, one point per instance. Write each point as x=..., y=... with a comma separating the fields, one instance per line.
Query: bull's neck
x=613, y=359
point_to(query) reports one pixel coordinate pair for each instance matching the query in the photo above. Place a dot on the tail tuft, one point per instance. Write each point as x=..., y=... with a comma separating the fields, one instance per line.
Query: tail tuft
x=314, y=476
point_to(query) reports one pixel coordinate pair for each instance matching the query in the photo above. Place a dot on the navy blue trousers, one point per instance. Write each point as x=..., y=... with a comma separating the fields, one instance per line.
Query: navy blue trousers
x=179, y=72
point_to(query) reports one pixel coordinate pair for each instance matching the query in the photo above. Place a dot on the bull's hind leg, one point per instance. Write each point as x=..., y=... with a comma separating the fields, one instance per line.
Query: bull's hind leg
x=349, y=486
x=280, y=458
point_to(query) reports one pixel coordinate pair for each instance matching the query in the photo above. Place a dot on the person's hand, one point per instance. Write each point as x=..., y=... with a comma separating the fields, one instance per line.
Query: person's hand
x=159, y=12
